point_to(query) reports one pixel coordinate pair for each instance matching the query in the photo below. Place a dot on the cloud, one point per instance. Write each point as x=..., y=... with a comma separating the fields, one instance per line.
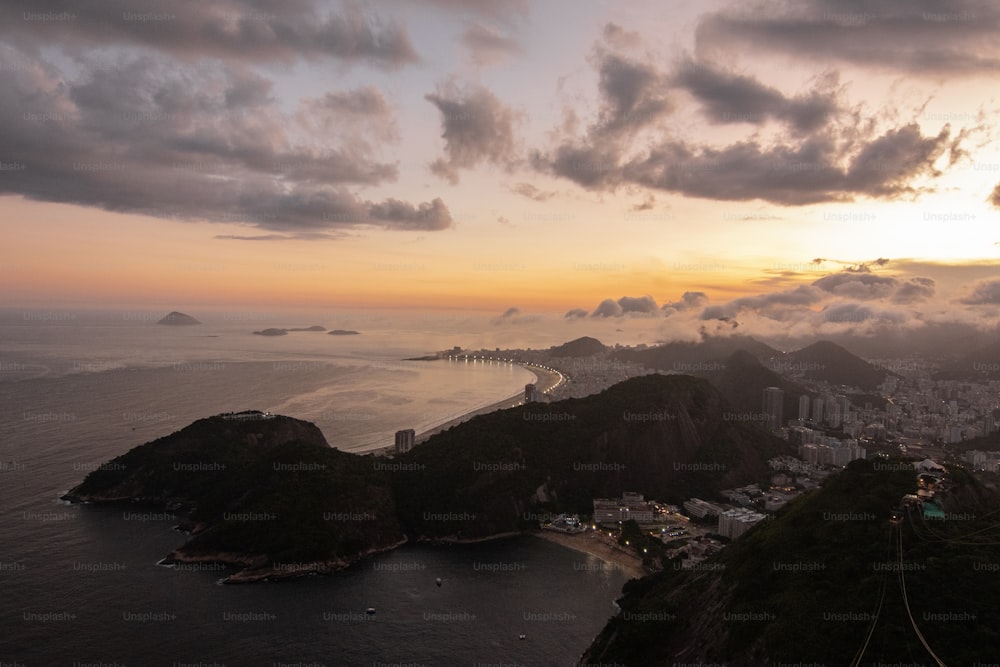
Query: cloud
x=491, y=8
x=830, y=157
x=854, y=314
x=924, y=39
x=514, y=315
x=858, y=285
x=607, y=308
x=531, y=192
x=233, y=30
x=476, y=126
x=487, y=46
x=807, y=172
x=737, y=98
x=858, y=282
x=688, y=300
x=205, y=144
x=633, y=94
x=986, y=293
x=620, y=38
x=643, y=305
x=994, y=197
x=638, y=304
x=914, y=290
x=575, y=314
x=350, y=114
x=803, y=295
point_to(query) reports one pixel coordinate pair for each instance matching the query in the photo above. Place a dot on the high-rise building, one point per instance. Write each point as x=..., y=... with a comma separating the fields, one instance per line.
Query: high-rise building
x=804, y=406
x=774, y=399
x=817, y=410
x=530, y=393
x=405, y=440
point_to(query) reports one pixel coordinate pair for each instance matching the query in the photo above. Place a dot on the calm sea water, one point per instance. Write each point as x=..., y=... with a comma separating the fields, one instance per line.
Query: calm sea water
x=81, y=586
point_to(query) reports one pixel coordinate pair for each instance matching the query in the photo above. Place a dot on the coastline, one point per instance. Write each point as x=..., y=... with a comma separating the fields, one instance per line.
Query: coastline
x=589, y=543
x=545, y=380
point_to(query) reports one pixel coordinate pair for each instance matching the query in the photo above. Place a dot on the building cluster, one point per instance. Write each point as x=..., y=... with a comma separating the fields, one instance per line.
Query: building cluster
x=945, y=410
x=983, y=461
x=917, y=407
x=819, y=449
x=631, y=506
x=827, y=408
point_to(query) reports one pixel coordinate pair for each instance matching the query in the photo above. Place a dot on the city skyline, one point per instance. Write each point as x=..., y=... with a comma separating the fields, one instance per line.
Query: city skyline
x=790, y=168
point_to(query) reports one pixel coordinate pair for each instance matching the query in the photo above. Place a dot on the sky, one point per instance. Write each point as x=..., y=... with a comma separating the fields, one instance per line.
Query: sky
x=766, y=167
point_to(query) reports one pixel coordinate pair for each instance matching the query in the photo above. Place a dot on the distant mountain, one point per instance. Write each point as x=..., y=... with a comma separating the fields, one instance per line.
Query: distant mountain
x=178, y=319
x=827, y=361
x=343, y=332
x=804, y=587
x=742, y=379
x=581, y=347
x=980, y=363
x=705, y=355
x=272, y=332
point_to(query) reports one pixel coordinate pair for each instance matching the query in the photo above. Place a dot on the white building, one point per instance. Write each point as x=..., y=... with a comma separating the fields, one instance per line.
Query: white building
x=735, y=522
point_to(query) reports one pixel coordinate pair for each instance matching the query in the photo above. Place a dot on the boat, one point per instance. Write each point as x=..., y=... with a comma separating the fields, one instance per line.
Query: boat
x=438, y=581
x=370, y=611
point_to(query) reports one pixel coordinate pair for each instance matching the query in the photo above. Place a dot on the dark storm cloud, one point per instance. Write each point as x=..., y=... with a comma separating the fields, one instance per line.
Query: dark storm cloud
x=255, y=31
x=986, y=293
x=737, y=98
x=209, y=144
x=487, y=46
x=918, y=37
x=476, y=127
x=575, y=314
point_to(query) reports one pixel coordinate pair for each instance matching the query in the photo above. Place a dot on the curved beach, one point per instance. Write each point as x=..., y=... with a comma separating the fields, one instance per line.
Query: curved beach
x=591, y=542
x=544, y=379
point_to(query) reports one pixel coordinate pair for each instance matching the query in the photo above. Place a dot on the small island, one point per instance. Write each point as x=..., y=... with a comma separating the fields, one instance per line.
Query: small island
x=275, y=331
x=178, y=319
x=344, y=332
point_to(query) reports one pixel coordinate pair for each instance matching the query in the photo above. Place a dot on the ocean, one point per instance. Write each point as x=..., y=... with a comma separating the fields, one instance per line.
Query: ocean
x=81, y=585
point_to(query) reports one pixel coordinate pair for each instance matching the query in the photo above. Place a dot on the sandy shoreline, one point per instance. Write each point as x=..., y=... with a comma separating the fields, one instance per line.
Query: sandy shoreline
x=590, y=543
x=544, y=379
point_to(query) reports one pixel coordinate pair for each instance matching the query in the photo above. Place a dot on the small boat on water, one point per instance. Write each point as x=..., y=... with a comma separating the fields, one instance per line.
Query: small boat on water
x=438, y=581
x=370, y=611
